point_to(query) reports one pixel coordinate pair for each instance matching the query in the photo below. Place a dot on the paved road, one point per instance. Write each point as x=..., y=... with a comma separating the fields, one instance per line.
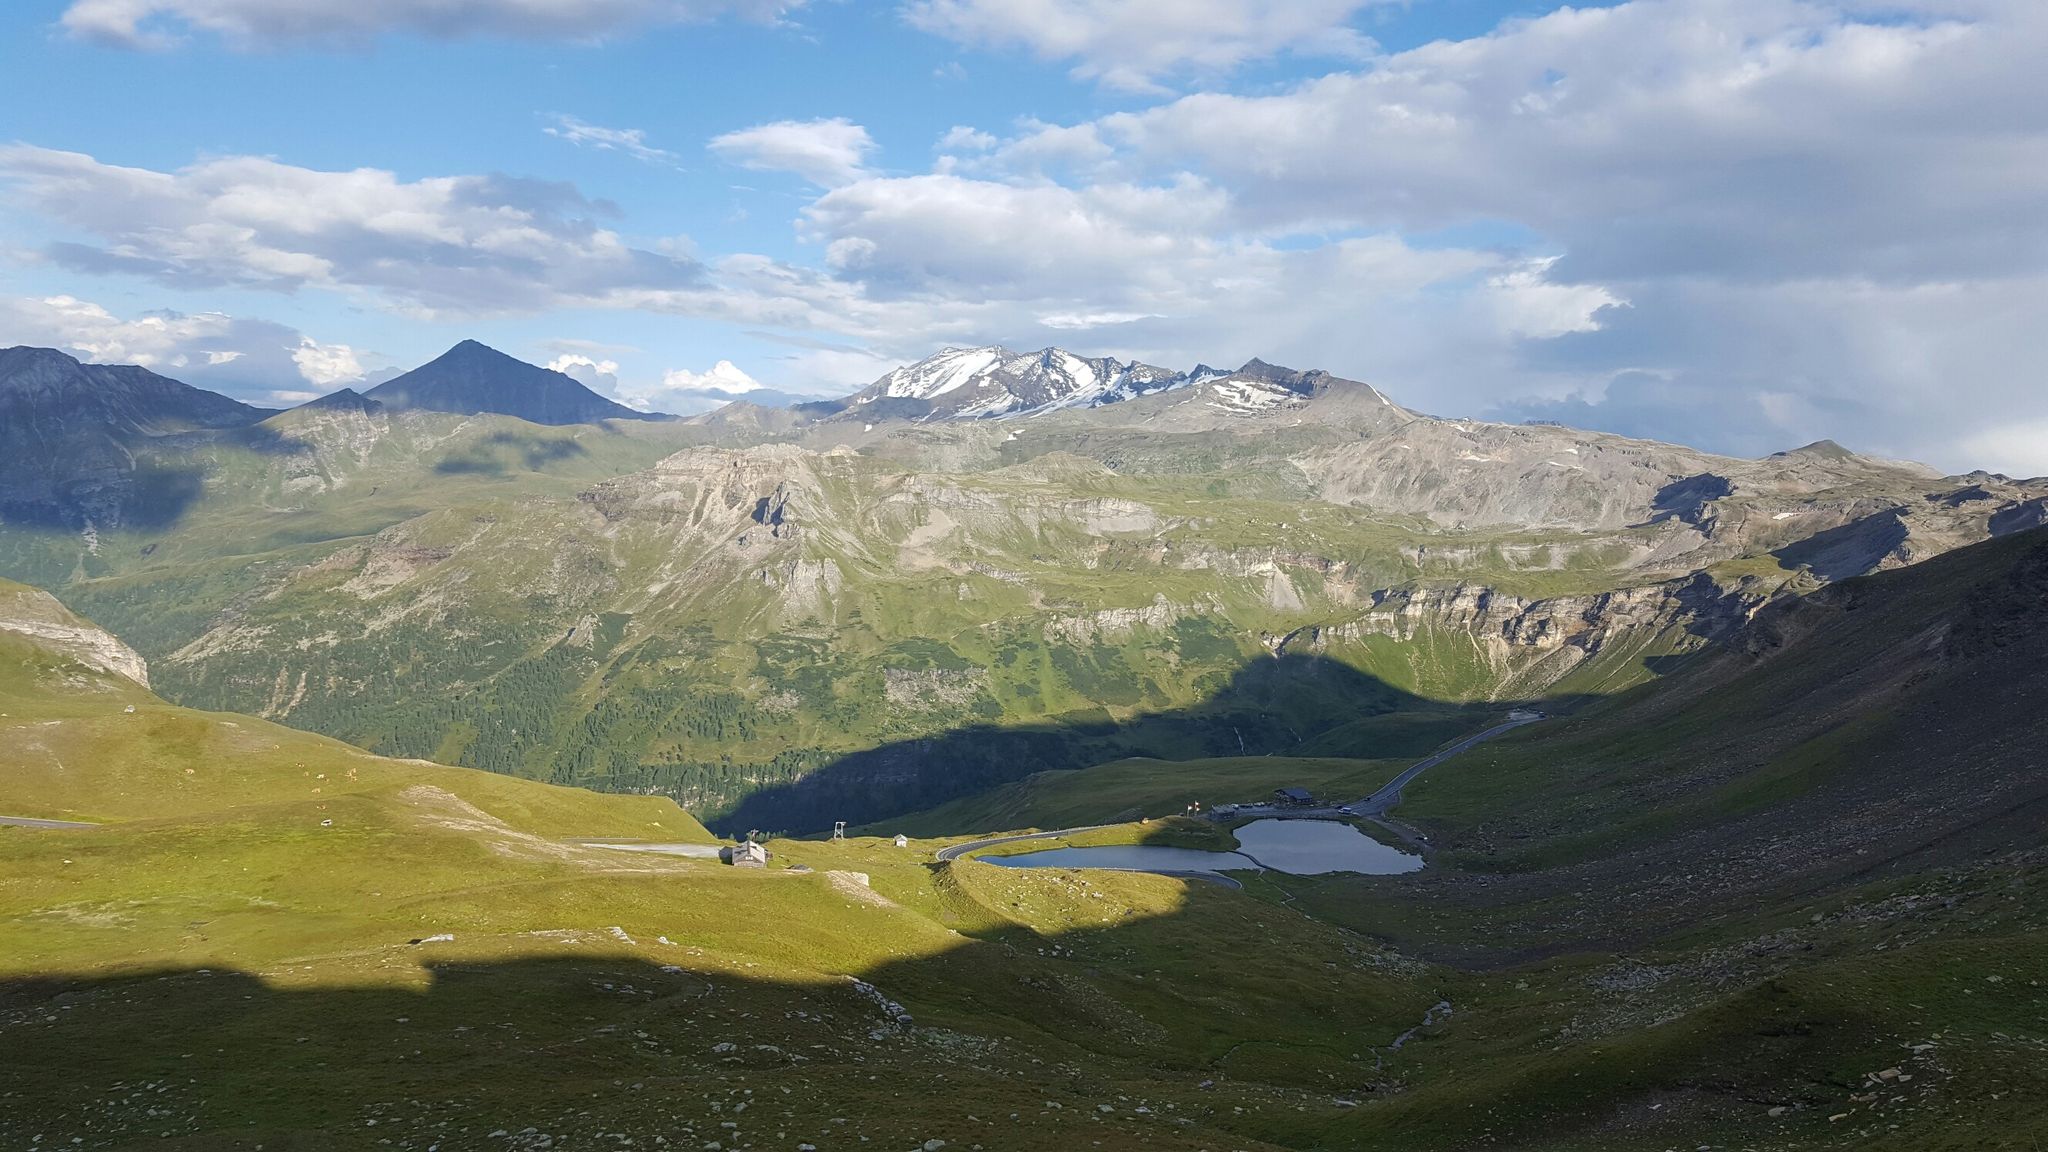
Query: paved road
x=1373, y=805
x=955, y=851
x=32, y=822
x=689, y=851
x=1390, y=795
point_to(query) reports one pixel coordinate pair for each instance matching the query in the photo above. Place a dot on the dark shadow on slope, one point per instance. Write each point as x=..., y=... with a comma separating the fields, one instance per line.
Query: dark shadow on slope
x=1272, y=706
x=264, y=439
x=1687, y=500
x=1849, y=550
x=148, y=496
x=501, y=452
x=112, y=482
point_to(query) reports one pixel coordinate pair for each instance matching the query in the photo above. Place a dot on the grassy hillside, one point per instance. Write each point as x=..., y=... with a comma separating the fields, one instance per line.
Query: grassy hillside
x=88, y=746
x=1874, y=734
x=412, y=957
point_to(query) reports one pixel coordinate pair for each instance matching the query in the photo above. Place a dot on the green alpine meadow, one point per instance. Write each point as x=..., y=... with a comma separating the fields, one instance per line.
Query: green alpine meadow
x=401, y=784
x=996, y=576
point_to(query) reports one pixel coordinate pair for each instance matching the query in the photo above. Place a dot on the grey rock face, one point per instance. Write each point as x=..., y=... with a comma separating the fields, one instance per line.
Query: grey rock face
x=36, y=614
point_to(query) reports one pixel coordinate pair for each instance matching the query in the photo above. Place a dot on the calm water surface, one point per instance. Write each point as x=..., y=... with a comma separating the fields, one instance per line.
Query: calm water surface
x=1296, y=847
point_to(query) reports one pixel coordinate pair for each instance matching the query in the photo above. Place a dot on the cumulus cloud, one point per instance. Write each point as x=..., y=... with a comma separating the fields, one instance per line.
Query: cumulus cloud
x=1131, y=44
x=274, y=23
x=329, y=365
x=594, y=374
x=631, y=141
x=724, y=376
x=687, y=393
x=825, y=152
x=1759, y=138
x=456, y=243
x=962, y=138
x=252, y=359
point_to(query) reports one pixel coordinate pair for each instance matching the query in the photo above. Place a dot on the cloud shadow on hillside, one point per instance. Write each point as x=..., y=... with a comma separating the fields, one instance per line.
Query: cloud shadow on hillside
x=499, y=452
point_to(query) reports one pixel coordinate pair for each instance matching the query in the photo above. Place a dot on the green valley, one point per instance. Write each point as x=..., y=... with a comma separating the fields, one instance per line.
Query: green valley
x=785, y=620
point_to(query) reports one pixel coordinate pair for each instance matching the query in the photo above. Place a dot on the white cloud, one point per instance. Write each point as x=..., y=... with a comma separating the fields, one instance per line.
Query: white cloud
x=685, y=392
x=631, y=141
x=328, y=365
x=90, y=332
x=1762, y=220
x=724, y=376
x=1082, y=321
x=964, y=139
x=1758, y=138
x=825, y=152
x=597, y=375
x=266, y=23
x=1132, y=44
x=254, y=360
x=461, y=244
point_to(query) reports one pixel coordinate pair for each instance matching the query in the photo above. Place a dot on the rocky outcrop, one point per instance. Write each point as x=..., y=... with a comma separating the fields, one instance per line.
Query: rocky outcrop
x=1525, y=644
x=1116, y=624
x=36, y=614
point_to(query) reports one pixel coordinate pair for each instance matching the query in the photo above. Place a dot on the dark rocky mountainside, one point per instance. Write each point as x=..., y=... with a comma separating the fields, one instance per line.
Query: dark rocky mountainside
x=1877, y=727
x=70, y=433
x=471, y=378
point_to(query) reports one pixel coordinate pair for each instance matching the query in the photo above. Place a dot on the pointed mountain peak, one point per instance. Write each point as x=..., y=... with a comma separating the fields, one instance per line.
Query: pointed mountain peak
x=1826, y=450
x=341, y=400
x=473, y=378
x=473, y=350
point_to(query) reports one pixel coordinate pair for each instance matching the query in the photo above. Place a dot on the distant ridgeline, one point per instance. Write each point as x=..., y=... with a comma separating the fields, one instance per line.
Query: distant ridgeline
x=787, y=617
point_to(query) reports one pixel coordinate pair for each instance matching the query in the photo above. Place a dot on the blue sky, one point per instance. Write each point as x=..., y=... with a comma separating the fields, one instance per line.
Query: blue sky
x=1739, y=223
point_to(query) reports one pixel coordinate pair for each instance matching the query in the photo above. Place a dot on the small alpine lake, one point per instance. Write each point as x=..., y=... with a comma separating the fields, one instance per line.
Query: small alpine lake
x=1296, y=847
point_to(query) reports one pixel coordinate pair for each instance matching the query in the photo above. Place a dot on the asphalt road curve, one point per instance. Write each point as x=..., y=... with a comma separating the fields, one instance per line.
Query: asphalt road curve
x=32, y=822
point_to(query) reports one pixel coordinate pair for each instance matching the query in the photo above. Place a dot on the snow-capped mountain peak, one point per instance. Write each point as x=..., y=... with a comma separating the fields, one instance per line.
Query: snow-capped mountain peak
x=972, y=383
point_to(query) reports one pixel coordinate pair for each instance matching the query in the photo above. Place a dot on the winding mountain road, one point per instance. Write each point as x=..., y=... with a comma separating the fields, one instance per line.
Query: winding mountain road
x=1390, y=793
x=1376, y=804
x=955, y=851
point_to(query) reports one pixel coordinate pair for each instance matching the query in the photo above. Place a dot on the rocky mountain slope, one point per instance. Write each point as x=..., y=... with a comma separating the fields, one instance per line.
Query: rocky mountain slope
x=39, y=618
